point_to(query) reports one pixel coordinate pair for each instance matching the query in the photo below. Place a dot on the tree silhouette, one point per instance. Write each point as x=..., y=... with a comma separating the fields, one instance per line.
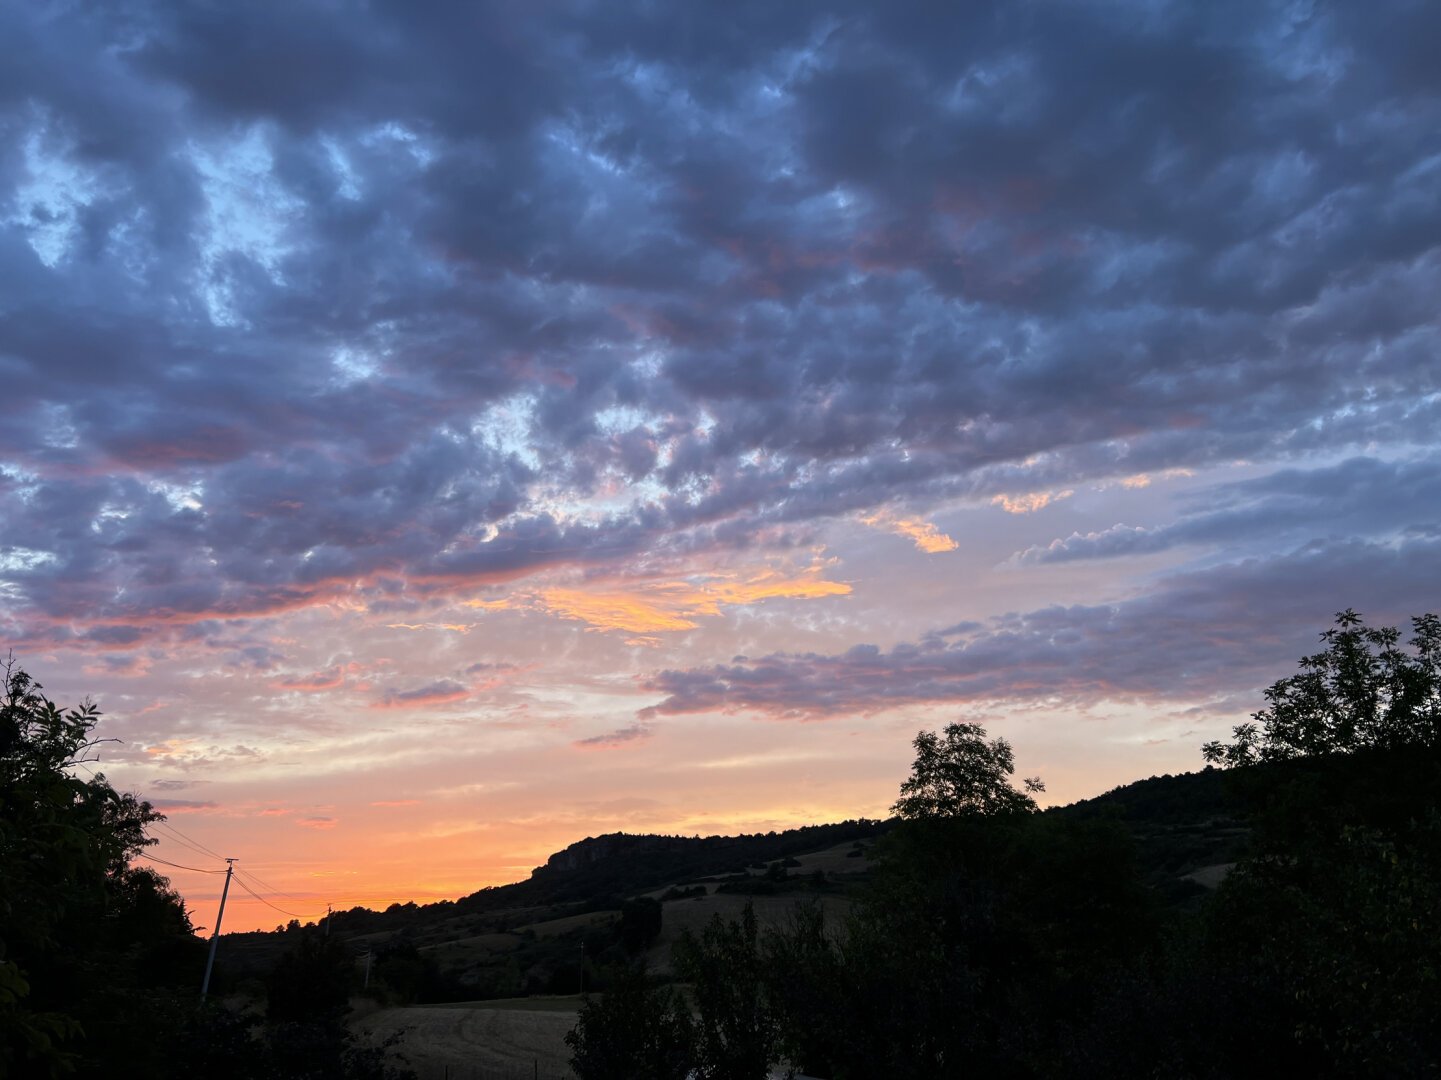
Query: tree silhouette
x=963, y=775
x=737, y=1032
x=85, y=937
x=1362, y=692
x=635, y=1032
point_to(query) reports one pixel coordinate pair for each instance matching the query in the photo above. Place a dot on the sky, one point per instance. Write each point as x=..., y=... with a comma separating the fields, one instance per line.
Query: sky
x=434, y=433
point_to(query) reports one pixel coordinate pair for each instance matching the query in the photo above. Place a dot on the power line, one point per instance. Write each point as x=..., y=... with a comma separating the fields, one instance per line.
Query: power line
x=178, y=838
x=198, y=870
x=188, y=847
x=188, y=840
x=269, y=887
x=267, y=903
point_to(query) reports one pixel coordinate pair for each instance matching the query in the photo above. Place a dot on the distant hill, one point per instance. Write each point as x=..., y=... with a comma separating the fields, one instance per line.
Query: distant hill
x=622, y=863
x=524, y=937
x=591, y=875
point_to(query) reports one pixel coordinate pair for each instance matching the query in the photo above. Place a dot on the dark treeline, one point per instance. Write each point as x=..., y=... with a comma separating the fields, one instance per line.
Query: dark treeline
x=996, y=940
x=100, y=968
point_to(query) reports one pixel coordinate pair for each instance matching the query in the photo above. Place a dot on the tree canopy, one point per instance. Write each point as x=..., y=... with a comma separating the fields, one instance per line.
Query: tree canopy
x=961, y=774
x=1363, y=691
x=82, y=930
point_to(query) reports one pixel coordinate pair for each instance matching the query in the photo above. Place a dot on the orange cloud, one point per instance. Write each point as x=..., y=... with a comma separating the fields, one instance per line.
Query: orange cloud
x=770, y=585
x=631, y=612
x=490, y=605
x=658, y=607
x=1031, y=502
x=923, y=534
x=1142, y=480
x=171, y=748
x=396, y=802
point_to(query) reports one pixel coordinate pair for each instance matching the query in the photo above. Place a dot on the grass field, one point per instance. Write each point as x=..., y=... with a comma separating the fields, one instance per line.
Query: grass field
x=519, y=1039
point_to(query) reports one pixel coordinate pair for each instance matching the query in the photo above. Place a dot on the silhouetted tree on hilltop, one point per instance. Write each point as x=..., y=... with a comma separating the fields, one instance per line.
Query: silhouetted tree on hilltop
x=963, y=774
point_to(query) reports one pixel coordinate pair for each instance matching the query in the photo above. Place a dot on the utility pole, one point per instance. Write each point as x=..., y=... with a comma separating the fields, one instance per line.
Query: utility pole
x=367, y=968
x=327, y=920
x=215, y=937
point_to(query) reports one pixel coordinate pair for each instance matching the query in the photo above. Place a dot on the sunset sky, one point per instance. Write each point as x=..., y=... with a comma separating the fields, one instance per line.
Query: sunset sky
x=435, y=433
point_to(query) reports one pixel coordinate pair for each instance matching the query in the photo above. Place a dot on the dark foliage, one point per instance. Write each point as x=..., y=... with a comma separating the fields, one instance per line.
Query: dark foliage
x=635, y=1032
x=640, y=922
x=99, y=967
x=312, y=981
x=1362, y=692
x=736, y=1039
x=683, y=892
x=93, y=950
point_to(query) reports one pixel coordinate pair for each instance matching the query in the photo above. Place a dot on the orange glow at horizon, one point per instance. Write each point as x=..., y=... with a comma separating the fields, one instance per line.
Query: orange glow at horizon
x=370, y=859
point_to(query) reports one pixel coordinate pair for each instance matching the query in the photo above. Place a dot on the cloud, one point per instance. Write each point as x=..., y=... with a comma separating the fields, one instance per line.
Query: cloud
x=617, y=611
x=440, y=692
x=1029, y=503
x=648, y=608
x=925, y=535
x=1140, y=481
x=183, y=806
x=316, y=822
x=452, y=302
x=129, y=665
x=316, y=682
x=1361, y=496
x=174, y=785
x=1117, y=540
x=1205, y=633
x=612, y=740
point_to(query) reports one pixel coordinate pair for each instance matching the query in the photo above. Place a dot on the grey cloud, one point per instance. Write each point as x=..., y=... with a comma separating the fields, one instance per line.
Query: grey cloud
x=346, y=272
x=619, y=737
x=1358, y=497
x=174, y=785
x=441, y=690
x=1219, y=632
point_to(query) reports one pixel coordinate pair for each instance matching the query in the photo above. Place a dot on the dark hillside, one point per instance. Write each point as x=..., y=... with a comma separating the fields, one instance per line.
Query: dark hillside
x=1180, y=825
x=594, y=875
x=622, y=864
